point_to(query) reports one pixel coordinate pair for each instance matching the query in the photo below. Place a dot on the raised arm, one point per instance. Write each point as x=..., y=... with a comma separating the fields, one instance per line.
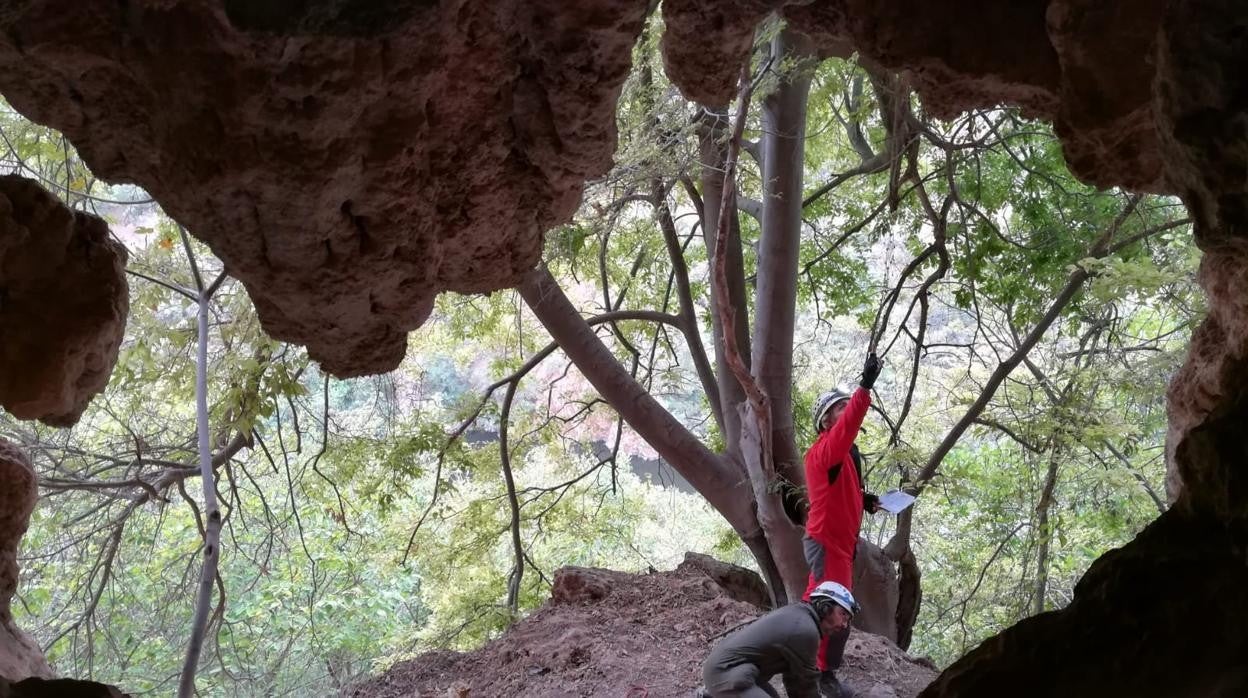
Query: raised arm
x=837, y=440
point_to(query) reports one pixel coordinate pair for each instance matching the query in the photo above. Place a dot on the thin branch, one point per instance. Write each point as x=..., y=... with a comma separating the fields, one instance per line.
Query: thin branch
x=517, y=571
x=732, y=352
x=172, y=287
x=190, y=257
x=688, y=312
x=1073, y=285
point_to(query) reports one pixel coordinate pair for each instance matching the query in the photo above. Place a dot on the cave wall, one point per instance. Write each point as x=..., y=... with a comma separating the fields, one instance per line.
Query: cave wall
x=346, y=161
x=63, y=304
x=20, y=657
x=1079, y=63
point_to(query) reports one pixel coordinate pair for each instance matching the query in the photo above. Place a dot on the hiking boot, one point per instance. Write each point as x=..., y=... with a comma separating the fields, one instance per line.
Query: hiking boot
x=831, y=687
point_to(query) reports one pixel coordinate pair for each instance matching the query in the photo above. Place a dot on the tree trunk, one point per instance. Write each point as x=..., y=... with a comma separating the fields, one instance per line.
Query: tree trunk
x=782, y=149
x=909, y=598
x=713, y=153
x=212, y=514
x=783, y=161
x=783, y=538
x=1043, y=529
x=720, y=480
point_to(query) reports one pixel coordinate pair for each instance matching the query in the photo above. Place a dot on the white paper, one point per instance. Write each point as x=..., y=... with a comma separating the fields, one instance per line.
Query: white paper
x=896, y=501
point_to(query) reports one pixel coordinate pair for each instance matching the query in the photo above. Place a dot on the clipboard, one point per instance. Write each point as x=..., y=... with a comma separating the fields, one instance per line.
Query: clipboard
x=896, y=501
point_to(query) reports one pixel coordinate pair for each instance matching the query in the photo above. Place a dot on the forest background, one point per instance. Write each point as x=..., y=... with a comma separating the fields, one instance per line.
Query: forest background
x=373, y=518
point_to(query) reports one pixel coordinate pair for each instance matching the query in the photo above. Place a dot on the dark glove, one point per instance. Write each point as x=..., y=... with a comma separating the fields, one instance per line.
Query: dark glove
x=870, y=503
x=870, y=371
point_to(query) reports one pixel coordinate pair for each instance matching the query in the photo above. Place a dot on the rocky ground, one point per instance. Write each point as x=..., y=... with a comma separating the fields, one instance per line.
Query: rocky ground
x=607, y=633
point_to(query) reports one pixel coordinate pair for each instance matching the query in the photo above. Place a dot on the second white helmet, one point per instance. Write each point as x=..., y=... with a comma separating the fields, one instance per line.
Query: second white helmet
x=839, y=594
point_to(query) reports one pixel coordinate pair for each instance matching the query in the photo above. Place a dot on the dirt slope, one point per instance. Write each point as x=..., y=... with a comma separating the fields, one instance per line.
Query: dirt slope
x=607, y=633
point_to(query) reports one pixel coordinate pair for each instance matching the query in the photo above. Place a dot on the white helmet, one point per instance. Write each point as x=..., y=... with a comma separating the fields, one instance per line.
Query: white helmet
x=825, y=403
x=838, y=593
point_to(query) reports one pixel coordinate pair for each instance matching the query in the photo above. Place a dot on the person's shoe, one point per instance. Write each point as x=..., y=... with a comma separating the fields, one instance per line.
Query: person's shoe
x=831, y=687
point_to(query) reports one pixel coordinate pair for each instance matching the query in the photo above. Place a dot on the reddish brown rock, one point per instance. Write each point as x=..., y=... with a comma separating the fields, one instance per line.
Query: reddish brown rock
x=63, y=304
x=347, y=161
x=1203, y=121
x=959, y=54
x=1149, y=96
x=1081, y=63
x=20, y=657
x=1163, y=615
x=57, y=688
x=575, y=585
x=1160, y=618
x=737, y=582
x=349, y=165
x=1105, y=115
x=705, y=43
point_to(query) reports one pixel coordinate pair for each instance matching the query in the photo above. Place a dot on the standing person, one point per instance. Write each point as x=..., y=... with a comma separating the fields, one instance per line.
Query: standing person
x=782, y=642
x=837, y=502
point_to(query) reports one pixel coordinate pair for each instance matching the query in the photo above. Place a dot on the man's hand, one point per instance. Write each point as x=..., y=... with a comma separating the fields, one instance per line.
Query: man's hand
x=870, y=371
x=871, y=503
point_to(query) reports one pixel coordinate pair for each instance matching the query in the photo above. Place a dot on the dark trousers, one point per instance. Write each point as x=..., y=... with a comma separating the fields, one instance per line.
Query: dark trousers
x=741, y=681
x=834, y=650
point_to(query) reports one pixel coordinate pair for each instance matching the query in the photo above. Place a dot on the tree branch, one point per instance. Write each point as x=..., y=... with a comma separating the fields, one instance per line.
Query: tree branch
x=517, y=572
x=713, y=477
x=1074, y=284
x=688, y=312
x=212, y=525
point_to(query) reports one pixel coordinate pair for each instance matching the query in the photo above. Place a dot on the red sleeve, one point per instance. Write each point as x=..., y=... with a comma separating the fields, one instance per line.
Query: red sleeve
x=840, y=437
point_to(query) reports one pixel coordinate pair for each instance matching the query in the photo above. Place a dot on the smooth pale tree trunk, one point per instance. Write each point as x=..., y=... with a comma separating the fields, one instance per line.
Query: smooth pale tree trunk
x=212, y=514
x=779, y=556
x=782, y=150
x=783, y=153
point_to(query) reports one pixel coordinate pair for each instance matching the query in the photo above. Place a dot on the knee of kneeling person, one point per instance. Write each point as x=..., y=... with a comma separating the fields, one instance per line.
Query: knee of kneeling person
x=736, y=678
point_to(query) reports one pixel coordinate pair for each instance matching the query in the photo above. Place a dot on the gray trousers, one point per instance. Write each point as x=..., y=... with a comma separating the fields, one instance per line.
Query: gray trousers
x=814, y=554
x=741, y=681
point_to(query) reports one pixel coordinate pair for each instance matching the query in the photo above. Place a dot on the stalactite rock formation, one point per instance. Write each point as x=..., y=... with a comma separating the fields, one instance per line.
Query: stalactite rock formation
x=63, y=304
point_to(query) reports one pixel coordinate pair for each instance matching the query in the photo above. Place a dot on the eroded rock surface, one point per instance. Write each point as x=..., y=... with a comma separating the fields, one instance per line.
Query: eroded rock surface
x=20, y=657
x=1130, y=629
x=1161, y=617
x=347, y=166
x=737, y=582
x=705, y=43
x=1080, y=63
x=347, y=161
x=63, y=304
x=57, y=688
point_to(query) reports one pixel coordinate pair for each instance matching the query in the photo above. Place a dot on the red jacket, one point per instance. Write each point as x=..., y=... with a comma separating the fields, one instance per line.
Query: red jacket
x=832, y=481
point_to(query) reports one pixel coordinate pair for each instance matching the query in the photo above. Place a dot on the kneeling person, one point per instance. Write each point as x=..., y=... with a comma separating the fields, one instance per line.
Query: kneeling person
x=782, y=642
